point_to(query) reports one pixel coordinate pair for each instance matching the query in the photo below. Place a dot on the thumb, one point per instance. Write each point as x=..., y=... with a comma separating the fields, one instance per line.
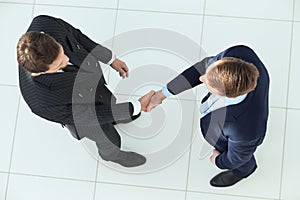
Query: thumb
x=151, y=93
x=148, y=109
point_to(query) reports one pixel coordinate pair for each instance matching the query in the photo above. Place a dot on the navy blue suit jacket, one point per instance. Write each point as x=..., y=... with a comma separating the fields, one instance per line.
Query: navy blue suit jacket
x=235, y=130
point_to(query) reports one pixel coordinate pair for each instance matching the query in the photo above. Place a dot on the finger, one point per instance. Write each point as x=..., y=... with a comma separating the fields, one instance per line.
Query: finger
x=124, y=67
x=122, y=73
x=148, y=95
x=151, y=93
x=150, y=107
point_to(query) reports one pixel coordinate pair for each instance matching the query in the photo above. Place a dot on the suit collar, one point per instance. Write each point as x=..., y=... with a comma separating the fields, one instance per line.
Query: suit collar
x=232, y=112
x=57, y=80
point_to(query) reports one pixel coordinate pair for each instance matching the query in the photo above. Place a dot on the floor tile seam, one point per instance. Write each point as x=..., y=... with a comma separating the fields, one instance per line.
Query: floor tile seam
x=141, y=186
x=12, y=145
x=154, y=11
x=232, y=195
x=195, y=106
x=287, y=101
x=51, y=177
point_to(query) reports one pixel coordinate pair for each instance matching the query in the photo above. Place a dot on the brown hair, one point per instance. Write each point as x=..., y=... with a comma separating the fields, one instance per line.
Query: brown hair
x=35, y=51
x=233, y=77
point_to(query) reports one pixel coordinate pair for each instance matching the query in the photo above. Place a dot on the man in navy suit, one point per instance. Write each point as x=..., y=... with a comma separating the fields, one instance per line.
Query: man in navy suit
x=234, y=112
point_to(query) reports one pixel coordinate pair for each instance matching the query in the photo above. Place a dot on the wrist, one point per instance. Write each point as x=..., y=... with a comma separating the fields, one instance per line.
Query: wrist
x=137, y=107
x=113, y=58
x=161, y=95
x=166, y=92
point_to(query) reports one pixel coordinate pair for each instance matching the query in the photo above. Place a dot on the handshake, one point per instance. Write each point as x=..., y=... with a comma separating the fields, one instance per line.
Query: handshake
x=151, y=100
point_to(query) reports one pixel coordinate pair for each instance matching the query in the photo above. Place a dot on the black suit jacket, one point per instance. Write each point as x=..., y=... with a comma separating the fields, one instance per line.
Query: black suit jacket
x=235, y=130
x=79, y=98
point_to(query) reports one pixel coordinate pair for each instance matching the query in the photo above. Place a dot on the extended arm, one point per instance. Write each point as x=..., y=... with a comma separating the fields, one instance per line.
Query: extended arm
x=189, y=78
x=184, y=81
x=90, y=114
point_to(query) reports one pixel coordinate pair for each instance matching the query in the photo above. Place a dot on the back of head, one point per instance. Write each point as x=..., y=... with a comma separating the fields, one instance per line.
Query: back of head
x=36, y=51
x=233, y=77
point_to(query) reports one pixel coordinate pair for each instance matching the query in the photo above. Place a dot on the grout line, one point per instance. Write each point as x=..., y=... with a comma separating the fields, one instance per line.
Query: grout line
x=33, y=8
x=249, y=18
x=202, y=14
x=95, y=186
x=140, y=186
x=278, y=107
x=51, y=177
x=137, y=186
x=12, y=146
x=113, y=40
x=291, y=108
x=72, y=6
x=88, y=181
x=195, y=106
x=108, y=78
x=15, y=3
x=287, y=100
x=8, y=85
x=190, y=152
x=161, y=12
x=182, y=190
x=153, y=11
x=232, y=195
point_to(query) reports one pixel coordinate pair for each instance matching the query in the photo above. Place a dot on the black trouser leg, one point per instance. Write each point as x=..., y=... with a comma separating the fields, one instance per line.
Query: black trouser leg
x=112, y=134
x=106, y=137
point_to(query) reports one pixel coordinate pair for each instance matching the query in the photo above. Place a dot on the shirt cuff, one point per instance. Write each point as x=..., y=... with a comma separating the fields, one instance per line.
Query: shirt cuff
x=166, y=92
x=136, y=107
x=113, y=57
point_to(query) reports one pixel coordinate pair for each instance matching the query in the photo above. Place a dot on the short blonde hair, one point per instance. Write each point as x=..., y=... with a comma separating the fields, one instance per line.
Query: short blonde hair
x=233, y=77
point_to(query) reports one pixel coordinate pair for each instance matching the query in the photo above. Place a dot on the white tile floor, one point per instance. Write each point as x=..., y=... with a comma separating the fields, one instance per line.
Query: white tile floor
x=40, y=160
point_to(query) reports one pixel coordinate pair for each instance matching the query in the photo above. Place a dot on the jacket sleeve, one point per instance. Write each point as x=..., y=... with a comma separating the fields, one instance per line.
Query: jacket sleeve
x=102, y=53
x=87, y=114
x=237, y=154
x=190, y=77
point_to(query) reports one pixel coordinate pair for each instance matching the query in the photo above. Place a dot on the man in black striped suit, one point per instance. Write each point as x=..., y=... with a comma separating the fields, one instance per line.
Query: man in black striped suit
x=61, y=80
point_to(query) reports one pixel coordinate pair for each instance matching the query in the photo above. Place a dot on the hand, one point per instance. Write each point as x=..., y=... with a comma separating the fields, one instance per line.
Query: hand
x=156, y=100
x=213, y=156
x=120, y=67
x=145, y=100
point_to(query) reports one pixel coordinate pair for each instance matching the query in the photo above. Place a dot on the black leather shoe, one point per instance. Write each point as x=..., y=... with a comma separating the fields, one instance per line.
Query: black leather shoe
x=128, y=159
x=127, y=120
x=224, y=179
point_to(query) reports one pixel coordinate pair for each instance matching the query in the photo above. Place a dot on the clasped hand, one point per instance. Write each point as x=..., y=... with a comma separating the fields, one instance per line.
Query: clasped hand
x=151, y=100
x=148, y=101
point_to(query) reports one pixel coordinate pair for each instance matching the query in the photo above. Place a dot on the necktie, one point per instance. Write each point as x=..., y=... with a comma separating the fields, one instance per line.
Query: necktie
x=211, y=100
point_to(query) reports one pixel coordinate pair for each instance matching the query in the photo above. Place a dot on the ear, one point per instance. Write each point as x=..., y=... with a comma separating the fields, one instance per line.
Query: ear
x=202, y=78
